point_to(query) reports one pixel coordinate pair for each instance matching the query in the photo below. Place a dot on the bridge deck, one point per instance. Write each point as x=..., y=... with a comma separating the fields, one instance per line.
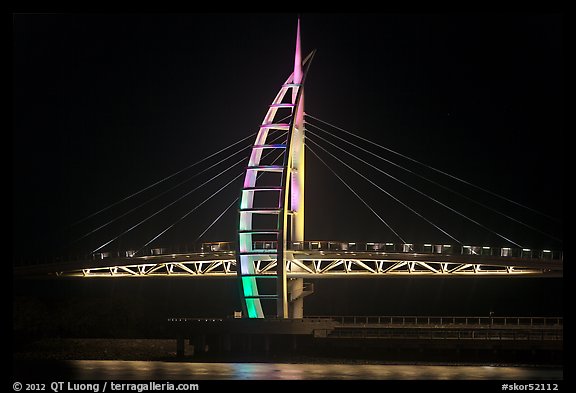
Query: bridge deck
x=317, y=260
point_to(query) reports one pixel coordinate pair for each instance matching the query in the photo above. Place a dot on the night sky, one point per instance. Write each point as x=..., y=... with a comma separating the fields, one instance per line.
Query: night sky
x=105, y=105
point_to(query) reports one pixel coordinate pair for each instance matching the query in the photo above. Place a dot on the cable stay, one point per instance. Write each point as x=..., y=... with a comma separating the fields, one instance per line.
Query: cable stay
x=204, y=201
x=189, y=212
x=166, y=191
x=429, y=180
x=356, y=194
x=166, y=207
x=161, y=180
x=178, y=199
x=217, y=218
x=422, y=193
x=439, y=171
x=387, y=193
x=231, y=204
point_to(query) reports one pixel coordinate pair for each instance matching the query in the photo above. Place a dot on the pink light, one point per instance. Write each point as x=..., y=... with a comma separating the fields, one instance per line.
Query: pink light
x=295, y=195
x=298, y=58
x=250, y=179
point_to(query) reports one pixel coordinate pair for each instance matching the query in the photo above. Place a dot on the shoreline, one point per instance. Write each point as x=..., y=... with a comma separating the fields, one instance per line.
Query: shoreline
x=45, y=350
x=115, y=370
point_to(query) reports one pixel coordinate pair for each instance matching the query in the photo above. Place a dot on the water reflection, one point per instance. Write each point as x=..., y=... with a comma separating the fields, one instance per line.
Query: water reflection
x=122, y=370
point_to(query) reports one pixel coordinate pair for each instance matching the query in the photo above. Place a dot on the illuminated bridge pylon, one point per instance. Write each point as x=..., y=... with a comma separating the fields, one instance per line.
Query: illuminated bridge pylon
x=272, y=200
x=271, y=258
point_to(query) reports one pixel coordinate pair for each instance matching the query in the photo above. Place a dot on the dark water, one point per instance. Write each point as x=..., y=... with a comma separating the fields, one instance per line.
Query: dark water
x=158, y=370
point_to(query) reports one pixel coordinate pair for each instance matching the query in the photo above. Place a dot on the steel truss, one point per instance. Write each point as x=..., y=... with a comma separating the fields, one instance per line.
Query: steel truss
x=320, y=264
x=272, y=196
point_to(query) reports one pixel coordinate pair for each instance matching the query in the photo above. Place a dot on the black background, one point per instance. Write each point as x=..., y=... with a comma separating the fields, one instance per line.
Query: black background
x=106, y=104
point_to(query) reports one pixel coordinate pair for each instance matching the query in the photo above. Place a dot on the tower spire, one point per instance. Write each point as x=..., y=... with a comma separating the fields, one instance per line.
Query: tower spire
x=298, y=57
x=284, y=209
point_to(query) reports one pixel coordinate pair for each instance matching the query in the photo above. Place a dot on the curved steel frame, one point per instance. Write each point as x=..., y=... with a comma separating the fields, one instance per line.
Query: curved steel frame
x=317, y=264
x=261, y=246
x=317, y=259
x=280, y=216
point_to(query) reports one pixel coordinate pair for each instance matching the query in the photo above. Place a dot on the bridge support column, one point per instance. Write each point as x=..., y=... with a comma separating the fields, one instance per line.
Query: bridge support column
x=297, y=291
x=246, y=342
x=180, y=347
x=294, y=343
x=296, y=308
x=296, y=300
x=199, y=344
x=226, y=343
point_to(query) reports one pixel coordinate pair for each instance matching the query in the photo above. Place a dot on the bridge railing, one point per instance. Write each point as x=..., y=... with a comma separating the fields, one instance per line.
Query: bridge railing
x=448, y=321
x=385, y=247
x=178, y=249
x=534, y=335
x=426, y=248
x=322, y=245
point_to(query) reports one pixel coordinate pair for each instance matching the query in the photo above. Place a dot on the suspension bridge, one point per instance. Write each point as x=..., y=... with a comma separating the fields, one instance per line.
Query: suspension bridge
x=271, y=257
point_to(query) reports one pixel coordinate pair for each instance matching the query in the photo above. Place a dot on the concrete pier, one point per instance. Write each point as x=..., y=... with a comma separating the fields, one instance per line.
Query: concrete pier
x=403, y=338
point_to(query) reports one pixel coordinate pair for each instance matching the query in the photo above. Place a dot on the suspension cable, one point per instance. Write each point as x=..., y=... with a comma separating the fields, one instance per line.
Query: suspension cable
x=421, y=193
x=430, y=181
x=161, y=180
x=438, y=170
x=178, y=199
x=231, y=204
x=217, y=218
x=189, y=212
x=165, y=207
x=387, y=193
x=356, y=194
x=165, y=192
